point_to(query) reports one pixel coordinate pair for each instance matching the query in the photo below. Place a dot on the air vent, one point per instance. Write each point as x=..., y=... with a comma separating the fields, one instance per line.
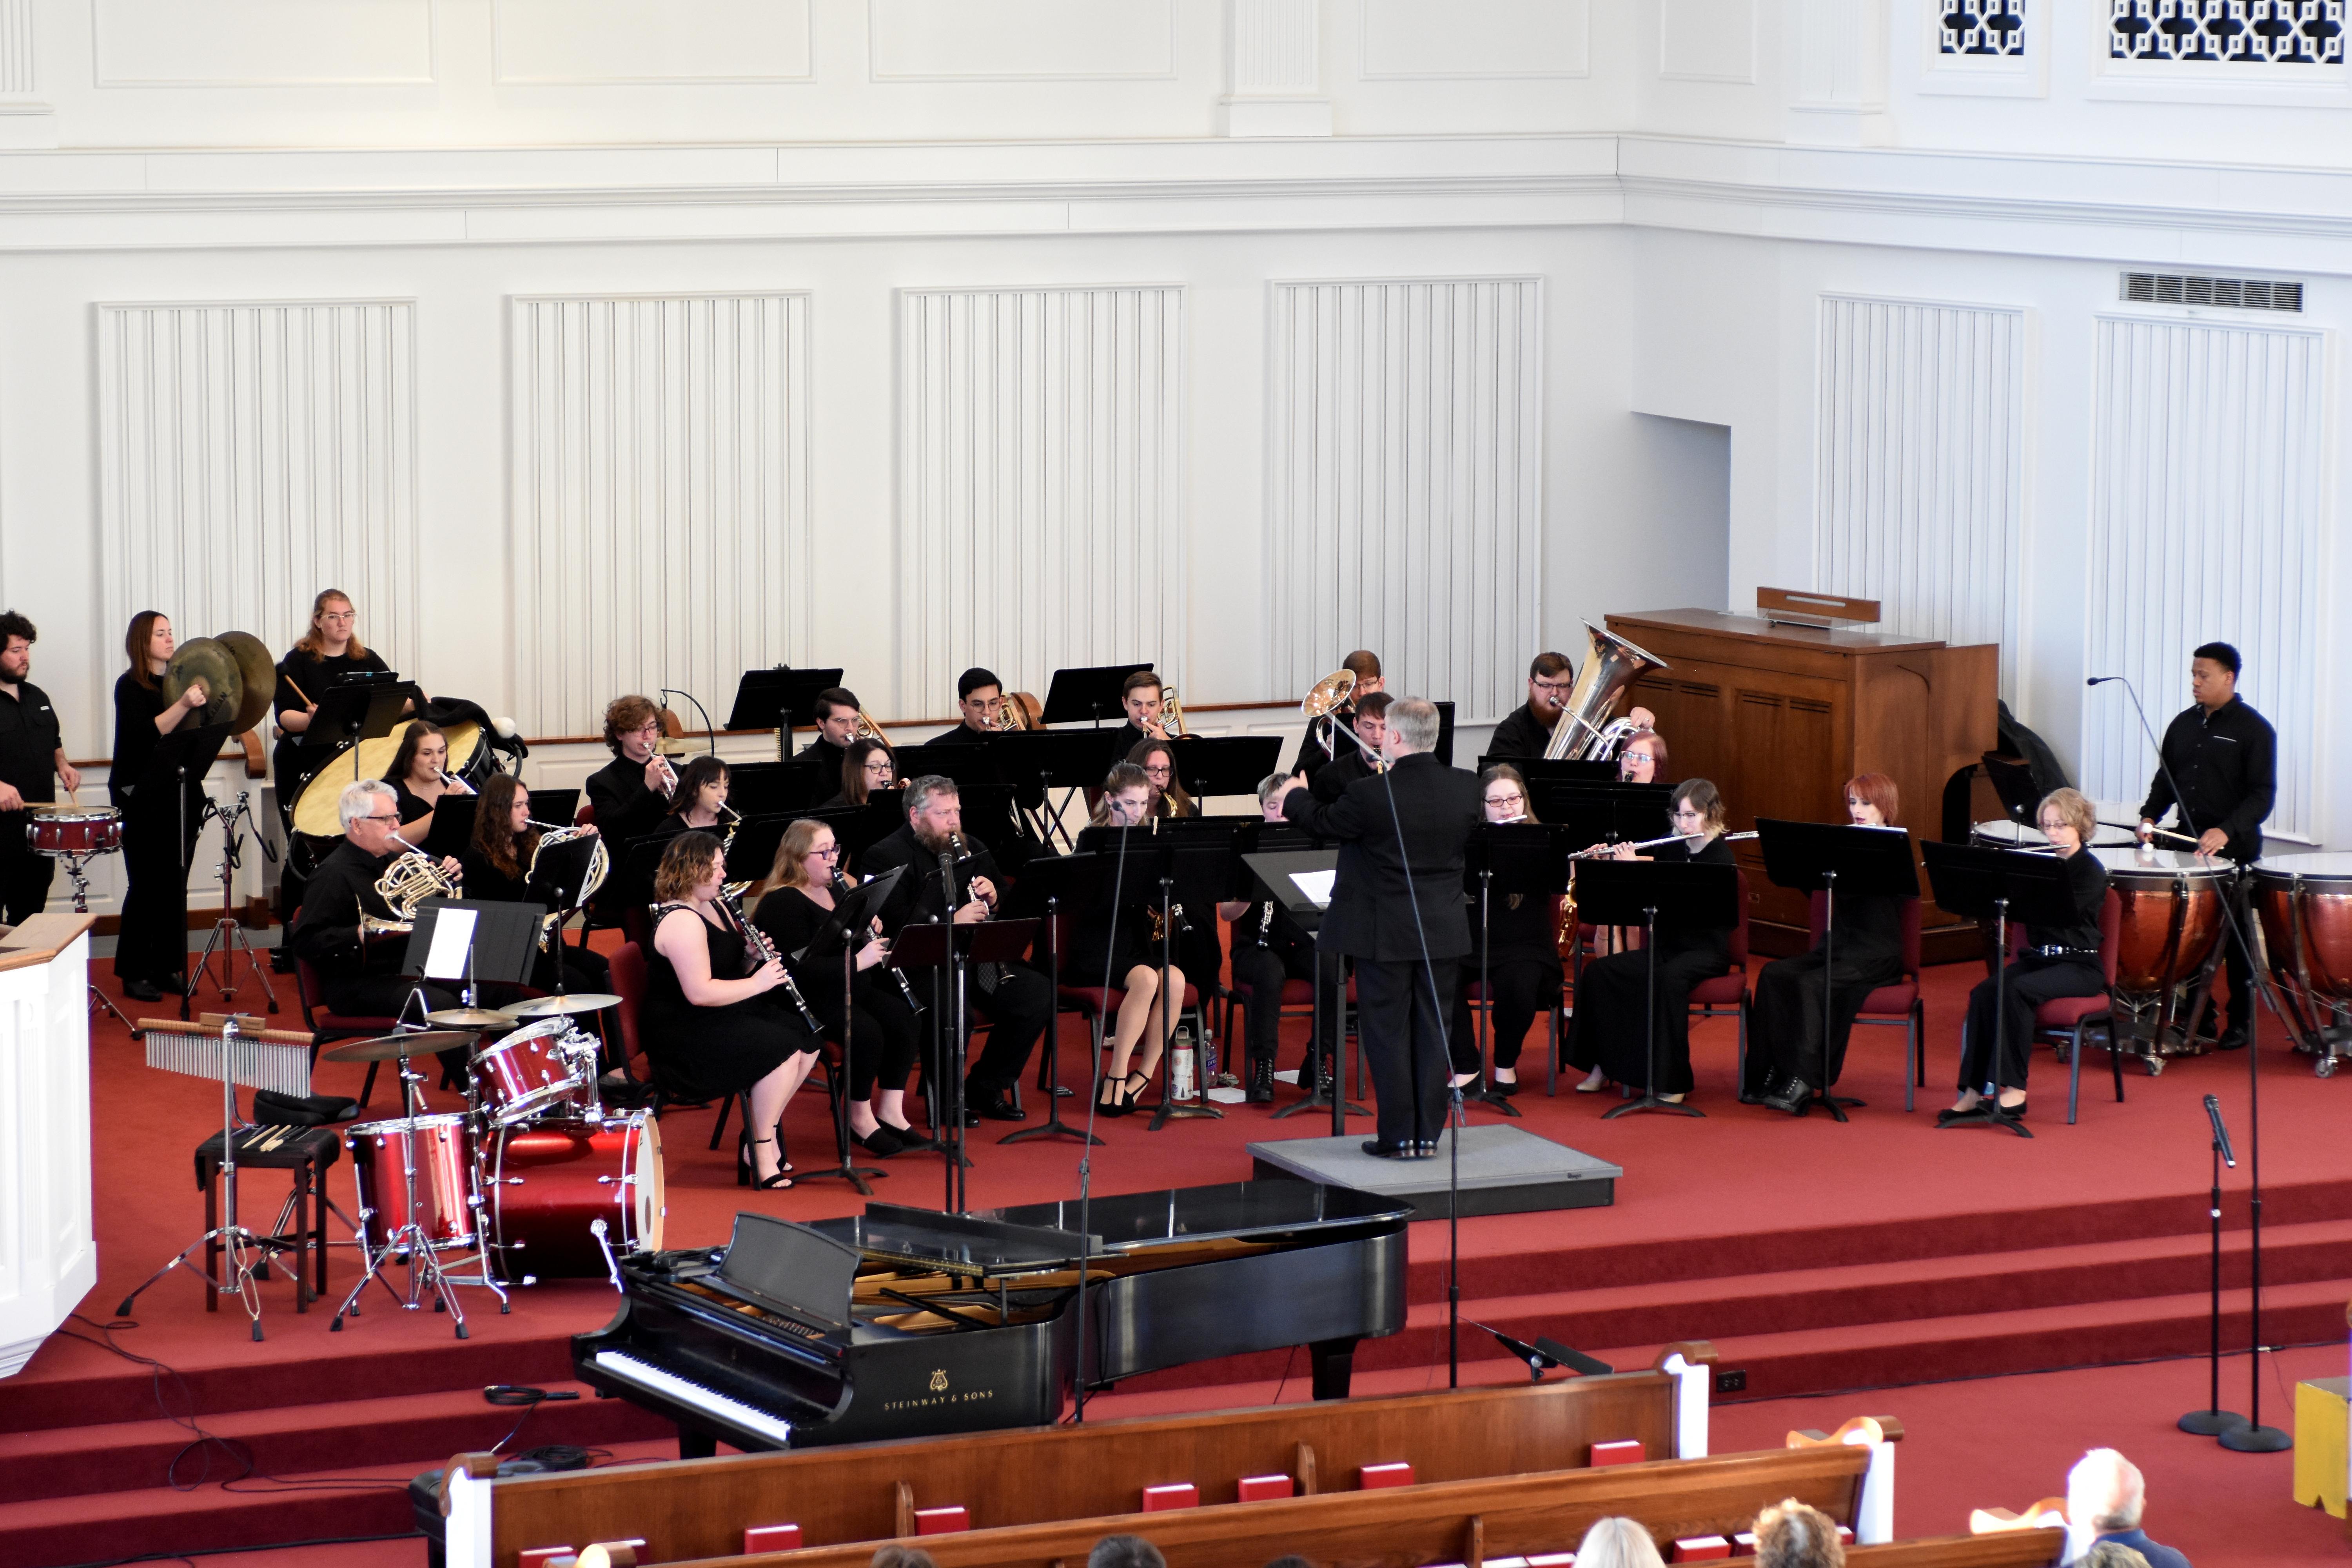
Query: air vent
x=2236, y=293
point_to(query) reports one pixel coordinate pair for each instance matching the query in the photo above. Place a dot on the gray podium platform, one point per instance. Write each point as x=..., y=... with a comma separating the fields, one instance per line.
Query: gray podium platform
x=1504, y=1170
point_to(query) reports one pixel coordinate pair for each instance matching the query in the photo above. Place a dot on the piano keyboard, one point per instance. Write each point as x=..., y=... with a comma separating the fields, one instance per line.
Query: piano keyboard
x=646, y=1376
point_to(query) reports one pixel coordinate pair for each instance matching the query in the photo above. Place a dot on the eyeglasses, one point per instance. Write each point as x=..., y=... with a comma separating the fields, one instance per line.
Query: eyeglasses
x=830, y=852
x=393, y=819
x=1511, y=799
x=1556, y=687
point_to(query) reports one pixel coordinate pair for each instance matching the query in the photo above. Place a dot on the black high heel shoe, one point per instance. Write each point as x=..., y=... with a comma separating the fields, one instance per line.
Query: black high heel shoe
x=747, y=1174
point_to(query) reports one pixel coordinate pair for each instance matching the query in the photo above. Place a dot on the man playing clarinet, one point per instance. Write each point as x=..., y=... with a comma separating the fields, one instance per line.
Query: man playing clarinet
x=2225, y=756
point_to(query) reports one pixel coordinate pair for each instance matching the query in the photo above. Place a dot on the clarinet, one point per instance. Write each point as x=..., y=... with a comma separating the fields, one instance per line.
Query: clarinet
x=839, y=889
x=765, y=950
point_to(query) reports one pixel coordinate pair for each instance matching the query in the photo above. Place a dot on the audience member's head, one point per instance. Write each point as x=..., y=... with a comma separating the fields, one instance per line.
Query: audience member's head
x=1791, y=1534
x=1290, y=1560
x=897, y=1556
x=1618, y=1543
x=2105, y=1491
x=2111, y=1554
x=1125, y=1552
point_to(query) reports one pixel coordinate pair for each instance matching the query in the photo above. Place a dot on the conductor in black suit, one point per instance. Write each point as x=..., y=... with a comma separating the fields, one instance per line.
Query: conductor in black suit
x=1397, y=910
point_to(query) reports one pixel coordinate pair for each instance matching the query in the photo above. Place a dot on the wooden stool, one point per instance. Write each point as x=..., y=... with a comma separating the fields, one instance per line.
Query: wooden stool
x=305, y=1151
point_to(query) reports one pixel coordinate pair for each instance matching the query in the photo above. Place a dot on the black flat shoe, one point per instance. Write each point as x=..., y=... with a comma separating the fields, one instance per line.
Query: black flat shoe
x=1504, y=1087
x=142, y=991
x=910, y=1141
x=1380, y=1151
x=881, y=1143
x=1950, y=1115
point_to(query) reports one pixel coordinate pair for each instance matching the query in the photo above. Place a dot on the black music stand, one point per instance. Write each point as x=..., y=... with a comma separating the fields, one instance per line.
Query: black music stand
x=1547, y=770
x=946, y=950
x=453, y=826
x=1089, y=695
x=556, y=807
x=1998, y=885
x=1046, y=884
x=1604, y=814
x=352, y=711
x=1226, y=764
x=1529, y=858
x=765, y=789
x=1444, y=750
x=1835, y=857
x=1276, y=872
x=1637, y=893
x=2012, y=781
x=499, y=944
x=859, y=828
x=1035, y=762
x=754, y=851
x=854, y=912
x=778, y=699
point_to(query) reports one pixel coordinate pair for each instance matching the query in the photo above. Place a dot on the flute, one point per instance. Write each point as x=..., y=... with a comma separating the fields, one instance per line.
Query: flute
x=1595, y=851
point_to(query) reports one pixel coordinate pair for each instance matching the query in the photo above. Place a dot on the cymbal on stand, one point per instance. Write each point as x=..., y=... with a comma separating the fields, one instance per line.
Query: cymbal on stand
x=470, y=1018
x=392, y=1048
x=549, y=1007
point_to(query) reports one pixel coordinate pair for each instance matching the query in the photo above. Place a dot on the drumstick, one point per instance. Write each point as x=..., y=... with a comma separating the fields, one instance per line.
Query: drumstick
x=297, y=691
x=2159, y=832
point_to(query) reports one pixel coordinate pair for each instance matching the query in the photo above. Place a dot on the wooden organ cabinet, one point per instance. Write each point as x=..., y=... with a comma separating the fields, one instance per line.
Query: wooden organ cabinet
x=1780, y=716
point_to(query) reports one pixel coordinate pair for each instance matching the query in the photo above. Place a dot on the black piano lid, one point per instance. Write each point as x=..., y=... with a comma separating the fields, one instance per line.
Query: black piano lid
x=1260, y=1211
x=962, y=1244
x=790, y=1268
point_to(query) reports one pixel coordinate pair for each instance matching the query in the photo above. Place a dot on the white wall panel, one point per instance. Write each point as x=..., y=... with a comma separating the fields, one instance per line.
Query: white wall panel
x=262, y=43
x=1415, y=39
x=1707, y=40
x=250, y=455
x=1921, y=487
x=660, y=523
x=617, y=41
x=1041, y=437
x=16, y=66
x=1404, y=464
x=1005, y=40
x=2207, y=481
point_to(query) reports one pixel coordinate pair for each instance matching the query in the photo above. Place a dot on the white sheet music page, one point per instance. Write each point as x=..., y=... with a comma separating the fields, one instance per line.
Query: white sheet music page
x=453, y=936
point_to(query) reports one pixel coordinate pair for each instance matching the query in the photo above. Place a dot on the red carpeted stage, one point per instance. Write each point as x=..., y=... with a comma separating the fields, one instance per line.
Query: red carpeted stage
x=1818, y=1257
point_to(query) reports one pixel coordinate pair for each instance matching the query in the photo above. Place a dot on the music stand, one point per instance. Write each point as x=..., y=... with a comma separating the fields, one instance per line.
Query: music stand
x=1444, y=750
x=854, y=912
x=1603, y=814
x=1277, y=873
x=1035, y=762
x=453, y=826
x=1637, y=893
x=356, y=711
x=1831, y=858
x=2012, y=781
x=1089, y=694
x=470, y=940
x=1045, y=885
x=778, y=699
x=856, y=828
x=558, y=807
x=947, y=949
x=767, y=789
x=1997, y=885
x=1226, y=764
x=1547, y=770
x=1529, y=858
x=753, y=851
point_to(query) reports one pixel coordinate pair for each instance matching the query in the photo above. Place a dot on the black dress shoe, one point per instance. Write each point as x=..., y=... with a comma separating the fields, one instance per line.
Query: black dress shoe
x=881, y=1143
x=2236, y=1037
x=1504, y=1087
x=1380, y=1150
x=1261, y=1083
x=176, y=982
x=1789, y=1096
x=142, y=991
x=997, y=1106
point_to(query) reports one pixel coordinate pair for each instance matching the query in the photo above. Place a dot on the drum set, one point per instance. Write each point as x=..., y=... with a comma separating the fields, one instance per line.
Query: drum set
x=532, y=1181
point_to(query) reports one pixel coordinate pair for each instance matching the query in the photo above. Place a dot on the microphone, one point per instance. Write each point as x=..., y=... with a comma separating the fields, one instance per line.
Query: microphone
x=2100, y=679
x=2220, y=1134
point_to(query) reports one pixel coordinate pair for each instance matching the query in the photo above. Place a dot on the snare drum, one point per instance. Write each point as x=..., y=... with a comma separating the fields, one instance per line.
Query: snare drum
x=2305, y=904
x=68, y=832
x=2168, y=935
x=549, y=1180
x=441, y=1151
x=534, y=1070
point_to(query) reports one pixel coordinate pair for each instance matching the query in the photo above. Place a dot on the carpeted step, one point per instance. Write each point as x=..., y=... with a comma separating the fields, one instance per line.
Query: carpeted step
x=424, y=1427
x=367, y=1500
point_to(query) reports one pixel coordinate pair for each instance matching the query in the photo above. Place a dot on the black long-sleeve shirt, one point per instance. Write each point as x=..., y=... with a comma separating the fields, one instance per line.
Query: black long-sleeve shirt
x=2086, y=879
x=625, y=809
x=2227, y=763
x=327, y=932
x=1521, y=734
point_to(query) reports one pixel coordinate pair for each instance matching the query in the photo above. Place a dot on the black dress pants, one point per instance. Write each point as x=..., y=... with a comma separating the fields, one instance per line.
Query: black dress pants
x=1523, y=988
x=1018, y=1006
x=1802, y=1017
x=1402, y=1025
x=884, y=1036
x=23, y=876
x=157, y=842
x=1259, y=974
x=2032, y=980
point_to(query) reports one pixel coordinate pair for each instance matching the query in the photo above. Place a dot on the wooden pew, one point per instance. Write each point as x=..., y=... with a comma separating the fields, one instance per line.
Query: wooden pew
x=868, y=1492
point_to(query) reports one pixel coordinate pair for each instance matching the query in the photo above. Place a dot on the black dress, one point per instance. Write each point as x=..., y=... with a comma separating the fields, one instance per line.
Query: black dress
x=292, y=763
x=580, y=968
x=1609, y=1027
x=162, y=811
x=883, y=1030
x=2072, y=969
x=705, y=1053
x=1523, y=968
x=1786, y=1030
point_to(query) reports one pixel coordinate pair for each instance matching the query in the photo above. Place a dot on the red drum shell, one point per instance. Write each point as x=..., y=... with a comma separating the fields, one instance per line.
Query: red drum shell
x=2151, y=957
x=2305, y=903
x=444, y=1151
x=528, y=1073
x=74, y=830
x=550, y=1179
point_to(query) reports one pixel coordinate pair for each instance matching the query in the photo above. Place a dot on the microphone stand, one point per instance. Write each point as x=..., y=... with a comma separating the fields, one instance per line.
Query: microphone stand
x=2212, y=1421
x=1086, y=1146
x=2253, y=1438
x=710, y=730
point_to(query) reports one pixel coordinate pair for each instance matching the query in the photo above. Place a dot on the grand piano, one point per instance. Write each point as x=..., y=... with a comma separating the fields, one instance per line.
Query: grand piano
x=907, y=1323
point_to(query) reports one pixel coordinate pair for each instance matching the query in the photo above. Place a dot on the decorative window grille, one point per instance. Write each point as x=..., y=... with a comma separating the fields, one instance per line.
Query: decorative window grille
x=2225, y=32
x=1988, y=28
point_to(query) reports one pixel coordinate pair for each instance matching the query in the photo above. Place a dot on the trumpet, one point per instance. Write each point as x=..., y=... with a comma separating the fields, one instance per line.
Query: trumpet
x=1325, y=697
x=451, y=781
x=1595, y=851
x=668, y=774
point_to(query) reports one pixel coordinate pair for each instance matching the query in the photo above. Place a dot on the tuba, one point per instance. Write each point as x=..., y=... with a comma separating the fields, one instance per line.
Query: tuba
x=1328, y=695
x=1611, y=665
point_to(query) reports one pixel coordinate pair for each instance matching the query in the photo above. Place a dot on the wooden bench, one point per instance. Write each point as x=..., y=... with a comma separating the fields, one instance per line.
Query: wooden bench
x=867, y=1492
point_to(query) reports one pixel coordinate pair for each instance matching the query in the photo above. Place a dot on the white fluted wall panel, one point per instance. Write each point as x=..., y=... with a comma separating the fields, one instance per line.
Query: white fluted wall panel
x=2207, y=480
x=1405, y=484
x=17, y=61
x=1041, y=498
x=660, y=497
x=1921, y=480
x=250, y=455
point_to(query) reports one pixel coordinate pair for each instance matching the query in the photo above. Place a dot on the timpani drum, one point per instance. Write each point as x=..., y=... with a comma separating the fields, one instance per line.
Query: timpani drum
x=1998, y=833
x=2306, y=905
x=551, y=1180
x=2168, y=938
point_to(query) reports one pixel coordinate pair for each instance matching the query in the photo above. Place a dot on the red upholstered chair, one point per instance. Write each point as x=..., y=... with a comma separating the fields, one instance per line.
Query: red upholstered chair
x=1728, y=992
x=326, y=1027
x=585, y=816
x=1896, y=1004
x=2064, y=1020
x=1098, y=1004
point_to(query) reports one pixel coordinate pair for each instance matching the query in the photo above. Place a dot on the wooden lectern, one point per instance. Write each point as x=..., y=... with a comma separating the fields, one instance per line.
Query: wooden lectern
x=48, y=1260
x=1780, y=716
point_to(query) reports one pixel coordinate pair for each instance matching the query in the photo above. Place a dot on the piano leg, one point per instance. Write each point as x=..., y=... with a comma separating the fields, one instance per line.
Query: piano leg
x=1334, y=1362
x=693, y=1443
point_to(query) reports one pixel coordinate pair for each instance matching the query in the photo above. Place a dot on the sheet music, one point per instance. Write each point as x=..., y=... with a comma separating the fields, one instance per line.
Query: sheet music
x=453, y=937
x=1316, y=886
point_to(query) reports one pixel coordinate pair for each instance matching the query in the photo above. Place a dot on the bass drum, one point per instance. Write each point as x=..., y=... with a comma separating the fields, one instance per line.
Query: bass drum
x=314, y=805
x=549, y=1180
x=2306, y=905
x=2168, y=935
